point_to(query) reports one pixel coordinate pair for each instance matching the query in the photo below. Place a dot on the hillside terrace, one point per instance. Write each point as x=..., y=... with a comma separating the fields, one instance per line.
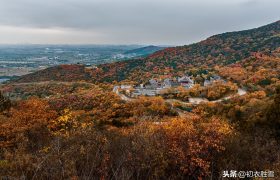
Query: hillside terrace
x=157, y=86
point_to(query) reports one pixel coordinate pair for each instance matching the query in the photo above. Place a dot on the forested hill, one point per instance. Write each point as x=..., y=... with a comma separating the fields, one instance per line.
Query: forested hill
x=223, y=49
x=144, y=51
x=219, y=50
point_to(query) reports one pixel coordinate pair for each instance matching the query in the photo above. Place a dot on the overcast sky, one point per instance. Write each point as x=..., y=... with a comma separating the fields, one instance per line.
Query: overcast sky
x=167, y=22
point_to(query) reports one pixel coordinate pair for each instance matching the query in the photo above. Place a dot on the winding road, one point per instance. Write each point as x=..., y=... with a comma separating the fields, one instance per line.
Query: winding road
x=192, y=100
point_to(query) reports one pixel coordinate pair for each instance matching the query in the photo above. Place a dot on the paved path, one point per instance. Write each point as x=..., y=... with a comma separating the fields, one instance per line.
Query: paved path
x=196, y=100
x=192, y=100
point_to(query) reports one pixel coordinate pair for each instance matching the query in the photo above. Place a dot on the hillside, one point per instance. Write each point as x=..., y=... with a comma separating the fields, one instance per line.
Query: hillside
x=68, y=122
x=219, y=50
x=223, y=49
x=72, y=72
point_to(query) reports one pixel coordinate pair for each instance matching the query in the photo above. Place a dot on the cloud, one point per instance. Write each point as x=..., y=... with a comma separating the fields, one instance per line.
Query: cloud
x=133, y=21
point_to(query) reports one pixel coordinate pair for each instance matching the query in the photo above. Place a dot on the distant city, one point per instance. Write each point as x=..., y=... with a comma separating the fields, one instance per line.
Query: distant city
x=18, y=60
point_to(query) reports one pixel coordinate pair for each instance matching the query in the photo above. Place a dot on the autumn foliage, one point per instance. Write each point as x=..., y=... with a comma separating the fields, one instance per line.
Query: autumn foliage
x=66, y=123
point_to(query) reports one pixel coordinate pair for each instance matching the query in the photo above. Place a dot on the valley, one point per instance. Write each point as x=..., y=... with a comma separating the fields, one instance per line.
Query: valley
x=18, y=60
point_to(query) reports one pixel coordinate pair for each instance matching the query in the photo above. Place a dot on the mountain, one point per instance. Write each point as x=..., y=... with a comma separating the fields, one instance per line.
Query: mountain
x=219, y=50
x=143, y=51
x=223, y=49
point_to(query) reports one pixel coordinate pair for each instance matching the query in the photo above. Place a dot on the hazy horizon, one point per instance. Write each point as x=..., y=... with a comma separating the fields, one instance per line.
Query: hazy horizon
x=107, y=22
